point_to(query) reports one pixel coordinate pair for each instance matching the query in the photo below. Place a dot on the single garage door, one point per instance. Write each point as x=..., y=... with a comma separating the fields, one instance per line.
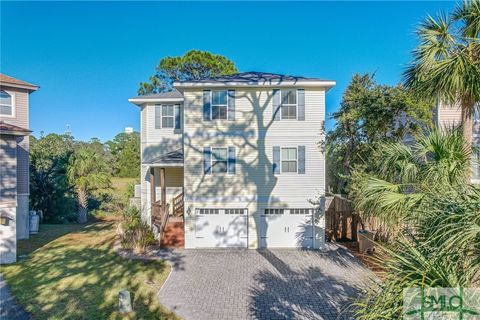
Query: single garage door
x=216, y=228
x=286, y=228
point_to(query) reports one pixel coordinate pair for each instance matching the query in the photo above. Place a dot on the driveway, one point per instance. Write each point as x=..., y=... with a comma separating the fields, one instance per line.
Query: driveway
x=262, y=284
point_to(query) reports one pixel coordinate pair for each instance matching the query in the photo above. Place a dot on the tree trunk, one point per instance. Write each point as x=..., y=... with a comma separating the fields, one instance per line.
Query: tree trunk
x=467, y=121
x=467, y=127
x=82, y=205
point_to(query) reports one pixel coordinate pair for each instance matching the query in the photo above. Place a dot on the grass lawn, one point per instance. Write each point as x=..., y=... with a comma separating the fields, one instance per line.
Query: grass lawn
x=121, y=184
x=71, y=272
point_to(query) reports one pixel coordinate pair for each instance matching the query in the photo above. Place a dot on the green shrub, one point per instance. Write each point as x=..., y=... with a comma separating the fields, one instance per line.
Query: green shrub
x=135, y=234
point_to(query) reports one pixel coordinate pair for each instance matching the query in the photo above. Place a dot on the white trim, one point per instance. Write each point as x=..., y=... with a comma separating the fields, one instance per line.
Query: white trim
x=19, y=86
x=326, y=84
x=139, y=101
x=170, y=165
x=14, y=107
x=281, y=160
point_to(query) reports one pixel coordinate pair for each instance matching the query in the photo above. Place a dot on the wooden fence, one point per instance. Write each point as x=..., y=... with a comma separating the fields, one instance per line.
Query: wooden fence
x=342, y=222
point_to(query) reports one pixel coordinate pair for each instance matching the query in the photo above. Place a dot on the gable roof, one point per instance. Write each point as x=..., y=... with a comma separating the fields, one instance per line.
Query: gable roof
x=8, y=81
x=10, y=129
x=254, y=78
x=170, y=96
x=173, y=157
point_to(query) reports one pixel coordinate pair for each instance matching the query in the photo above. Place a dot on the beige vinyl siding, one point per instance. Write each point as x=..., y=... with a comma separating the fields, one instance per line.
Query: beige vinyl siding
x=253, y=133
x=448, y=115
x=156, y=142
x=8, y=171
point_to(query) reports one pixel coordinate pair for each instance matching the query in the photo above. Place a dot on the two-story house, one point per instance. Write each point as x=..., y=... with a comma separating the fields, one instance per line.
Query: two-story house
x=14, y=168
x=234, y=161
x=447, y=115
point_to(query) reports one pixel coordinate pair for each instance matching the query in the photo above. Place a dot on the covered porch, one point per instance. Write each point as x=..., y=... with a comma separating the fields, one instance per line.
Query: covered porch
x=165, y=177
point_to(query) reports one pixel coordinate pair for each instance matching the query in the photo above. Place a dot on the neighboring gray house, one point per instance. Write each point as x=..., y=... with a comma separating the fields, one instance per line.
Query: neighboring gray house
x=233, y=161
x=14, y=169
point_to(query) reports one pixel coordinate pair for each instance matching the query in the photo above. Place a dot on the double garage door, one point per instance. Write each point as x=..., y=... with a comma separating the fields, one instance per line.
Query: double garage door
x=279, y=228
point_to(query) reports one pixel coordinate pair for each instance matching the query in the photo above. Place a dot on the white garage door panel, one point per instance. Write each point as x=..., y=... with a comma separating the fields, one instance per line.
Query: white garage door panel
x=287, y=230
x=221, y=228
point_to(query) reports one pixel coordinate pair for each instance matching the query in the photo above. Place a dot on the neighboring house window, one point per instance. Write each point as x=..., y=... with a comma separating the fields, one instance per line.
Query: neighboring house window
x=219, y=104
x=476, y=166
x=6, y=104
x=219, y=160
x=167, y=116
x=289, y=159
x=289, y=104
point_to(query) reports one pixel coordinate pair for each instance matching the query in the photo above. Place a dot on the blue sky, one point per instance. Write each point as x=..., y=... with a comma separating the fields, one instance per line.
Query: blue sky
x=88, y=57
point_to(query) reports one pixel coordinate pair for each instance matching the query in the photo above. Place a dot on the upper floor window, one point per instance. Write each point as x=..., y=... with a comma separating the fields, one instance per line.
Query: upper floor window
x=167, y=116
x=289, y=104
x=6, y=104
x=289, y=160
x=219, y=104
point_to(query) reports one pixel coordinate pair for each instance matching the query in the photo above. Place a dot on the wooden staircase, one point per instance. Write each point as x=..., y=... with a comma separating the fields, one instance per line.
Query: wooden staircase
x=170, y=224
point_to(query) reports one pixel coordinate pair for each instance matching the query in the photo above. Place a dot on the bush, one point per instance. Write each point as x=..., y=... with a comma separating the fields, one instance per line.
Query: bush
x=135, y=234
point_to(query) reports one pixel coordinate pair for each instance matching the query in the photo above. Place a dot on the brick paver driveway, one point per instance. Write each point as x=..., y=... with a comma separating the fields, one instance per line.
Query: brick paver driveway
x=262, y=284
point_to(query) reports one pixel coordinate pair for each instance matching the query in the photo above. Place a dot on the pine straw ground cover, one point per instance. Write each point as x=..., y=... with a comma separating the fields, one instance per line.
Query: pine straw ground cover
x=72, y=272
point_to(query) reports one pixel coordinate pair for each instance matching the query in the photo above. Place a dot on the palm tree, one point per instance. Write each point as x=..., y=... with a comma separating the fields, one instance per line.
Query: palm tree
x=446, y=64
x=87, y=172
x=402, y=175
x=420, y=189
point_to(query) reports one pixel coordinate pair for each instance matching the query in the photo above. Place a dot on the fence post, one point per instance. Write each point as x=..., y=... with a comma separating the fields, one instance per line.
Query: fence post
x=354, y=227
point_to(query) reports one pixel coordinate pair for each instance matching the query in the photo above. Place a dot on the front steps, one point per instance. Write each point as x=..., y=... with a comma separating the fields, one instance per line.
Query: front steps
x=174, y=234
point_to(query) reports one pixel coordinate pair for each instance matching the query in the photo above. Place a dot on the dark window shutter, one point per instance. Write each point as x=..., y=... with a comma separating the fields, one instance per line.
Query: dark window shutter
x=276, y=104
x=231, y=104
x=158, y=116
x=231, y=160
x=301, y=159
x=276, y=160
x=178, y=119
x=206, y=105
x=207, y=160
x=301, y=104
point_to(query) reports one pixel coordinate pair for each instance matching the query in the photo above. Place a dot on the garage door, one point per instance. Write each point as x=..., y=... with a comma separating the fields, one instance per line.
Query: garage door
x=286, y=228
x=216, y=228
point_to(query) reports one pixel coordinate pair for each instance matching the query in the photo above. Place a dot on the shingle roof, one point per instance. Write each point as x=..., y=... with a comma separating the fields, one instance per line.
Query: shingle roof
x=172, y=157
x=174, y=94
x=253, y=78
x=7, y=80
x=7, y=128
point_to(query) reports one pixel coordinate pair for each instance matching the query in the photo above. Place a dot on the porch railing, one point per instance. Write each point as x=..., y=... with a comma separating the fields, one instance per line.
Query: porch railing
x=159, y=216
x=178, y=205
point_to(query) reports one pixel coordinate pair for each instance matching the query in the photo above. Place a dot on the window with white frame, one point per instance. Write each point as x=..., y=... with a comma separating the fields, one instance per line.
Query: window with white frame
x=219, y=104
x=289, y=160
x=168, y=120
x=6, y=104
x=219, y=160
x=288, y=104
